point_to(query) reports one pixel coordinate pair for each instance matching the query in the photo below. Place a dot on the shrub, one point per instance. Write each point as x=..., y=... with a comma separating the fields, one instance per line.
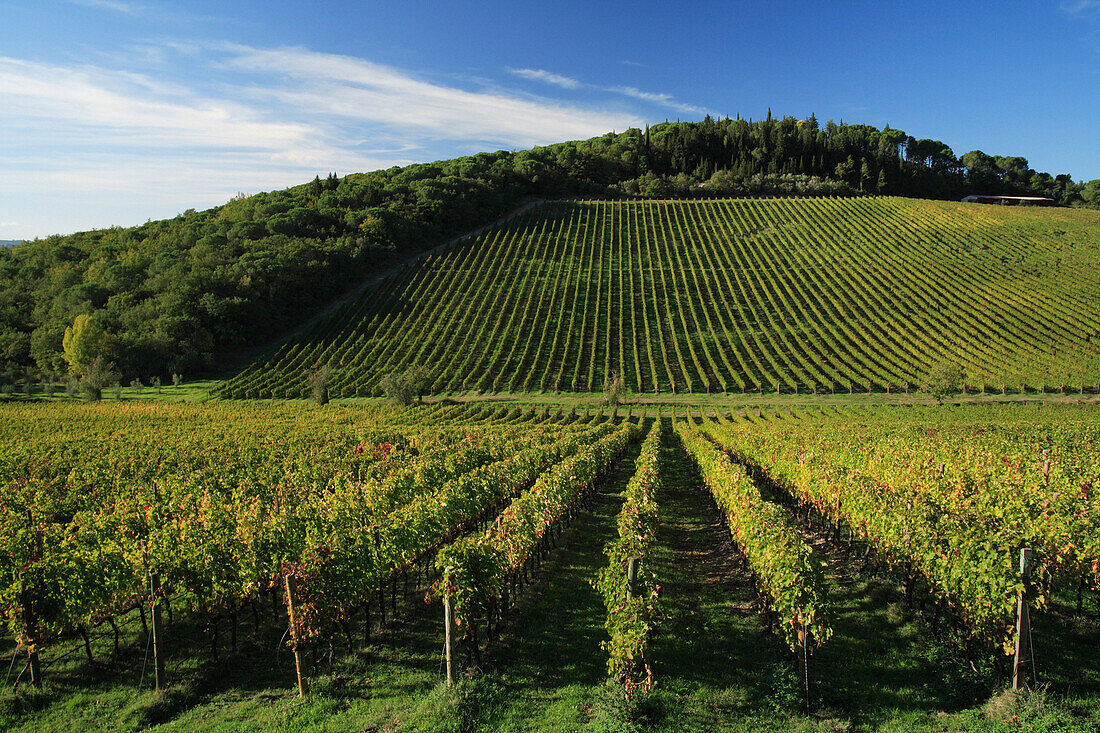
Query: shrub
x=397, y=389
x=944, y=378
x=404, y=388
x=419, y=379
x=614, y=388
x=319, y=380
x=97, y=375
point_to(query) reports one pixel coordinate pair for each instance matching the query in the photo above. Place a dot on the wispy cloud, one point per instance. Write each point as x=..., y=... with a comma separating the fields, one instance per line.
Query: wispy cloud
x=120, y=6
x=126, y=145
x=546, y=76
x=91, y=105
x=663, y=100
x=1076, y=7
x=358, y=90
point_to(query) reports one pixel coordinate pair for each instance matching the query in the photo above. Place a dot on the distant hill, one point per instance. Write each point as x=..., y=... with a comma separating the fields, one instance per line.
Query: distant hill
x=741, y=295
x=182, y=294
x=10, y=242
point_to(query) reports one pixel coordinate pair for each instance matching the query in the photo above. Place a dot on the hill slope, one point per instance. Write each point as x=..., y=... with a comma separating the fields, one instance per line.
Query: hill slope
x=184, y=294
x=728, y=295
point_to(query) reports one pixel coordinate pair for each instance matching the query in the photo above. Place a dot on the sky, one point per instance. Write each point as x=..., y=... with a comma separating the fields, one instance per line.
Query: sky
x=114, y=112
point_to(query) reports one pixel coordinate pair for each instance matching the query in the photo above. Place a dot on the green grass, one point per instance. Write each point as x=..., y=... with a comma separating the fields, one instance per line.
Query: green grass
x=195, y=391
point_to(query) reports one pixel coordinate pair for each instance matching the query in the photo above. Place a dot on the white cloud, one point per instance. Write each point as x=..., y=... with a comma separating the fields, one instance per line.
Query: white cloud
x=117, y=5
x=122, y=140
x=1076, y=7
x=354, y=89
x=664, y=100
x=95, y=106
x=546, y=76
x=93, y=145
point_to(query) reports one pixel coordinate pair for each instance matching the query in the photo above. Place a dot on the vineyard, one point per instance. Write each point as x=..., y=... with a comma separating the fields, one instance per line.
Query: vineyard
x=737, y=553
x=779, y=295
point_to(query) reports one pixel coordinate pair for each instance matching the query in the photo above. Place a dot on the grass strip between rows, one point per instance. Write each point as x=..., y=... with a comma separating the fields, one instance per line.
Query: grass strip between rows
x=477, y=568
x=788, y=575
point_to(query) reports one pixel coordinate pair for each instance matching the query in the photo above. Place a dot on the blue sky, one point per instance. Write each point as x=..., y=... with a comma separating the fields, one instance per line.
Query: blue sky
x=118, y=111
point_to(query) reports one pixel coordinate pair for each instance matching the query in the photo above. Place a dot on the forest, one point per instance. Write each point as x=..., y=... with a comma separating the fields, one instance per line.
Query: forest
x=181, y=294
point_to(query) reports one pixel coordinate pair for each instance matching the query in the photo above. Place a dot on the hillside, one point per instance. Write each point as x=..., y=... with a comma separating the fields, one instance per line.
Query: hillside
x=727, y=296
x=183, y=294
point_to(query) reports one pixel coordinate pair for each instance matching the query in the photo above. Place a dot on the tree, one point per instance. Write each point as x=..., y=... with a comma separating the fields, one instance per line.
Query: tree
x=397, y=389
x=864, y=176
x=1091, y=193
x=86, y=341
x=944, y=378
x=319, y=380
x=981, y=171
x=846, y=170
x=97, y=375
x=419, y=380
x=614, y=388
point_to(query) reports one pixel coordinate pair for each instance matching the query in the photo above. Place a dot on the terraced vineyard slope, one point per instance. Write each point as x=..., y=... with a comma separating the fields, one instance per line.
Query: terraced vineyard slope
x=809, y=295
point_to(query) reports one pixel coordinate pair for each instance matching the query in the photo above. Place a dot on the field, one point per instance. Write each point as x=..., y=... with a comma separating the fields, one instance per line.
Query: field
x=690, y=569
x=730, y=296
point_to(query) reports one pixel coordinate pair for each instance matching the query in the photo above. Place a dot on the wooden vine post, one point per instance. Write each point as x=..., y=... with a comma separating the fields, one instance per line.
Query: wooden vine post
x=158, y=631
x=448, y=626
x=1024, y=663
x=803, y=652
x=291, y=597
x=30, y=620
x=32, y=648
x=632, y=577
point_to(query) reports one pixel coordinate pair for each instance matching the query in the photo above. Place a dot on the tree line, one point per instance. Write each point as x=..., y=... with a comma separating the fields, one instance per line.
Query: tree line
x=180, y=294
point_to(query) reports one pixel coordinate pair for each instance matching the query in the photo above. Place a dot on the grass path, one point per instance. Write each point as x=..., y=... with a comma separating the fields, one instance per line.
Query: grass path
x=714, y=664
x=552, y=665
